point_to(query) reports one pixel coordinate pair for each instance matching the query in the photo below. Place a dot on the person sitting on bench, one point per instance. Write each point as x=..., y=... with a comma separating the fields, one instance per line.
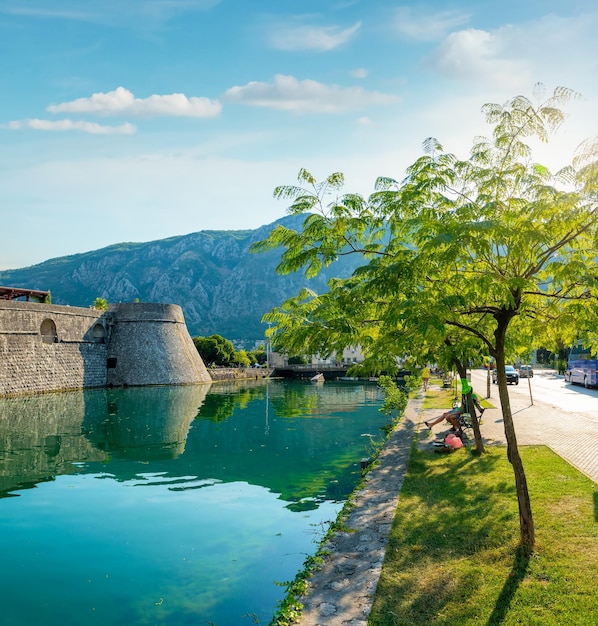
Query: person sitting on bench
x=476, y=402
x=452, y=417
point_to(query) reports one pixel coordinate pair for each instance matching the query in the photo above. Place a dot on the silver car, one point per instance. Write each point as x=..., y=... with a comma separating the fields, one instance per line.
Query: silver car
x=510, y=373
x=526, y=371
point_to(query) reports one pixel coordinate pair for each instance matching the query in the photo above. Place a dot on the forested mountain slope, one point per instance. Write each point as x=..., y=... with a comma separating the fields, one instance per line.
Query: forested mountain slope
x=221, y=287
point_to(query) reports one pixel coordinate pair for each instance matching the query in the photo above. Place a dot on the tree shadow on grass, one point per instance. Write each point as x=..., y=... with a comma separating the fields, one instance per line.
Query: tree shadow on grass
x=460, y=520
x=515, y=578
x=596, y=506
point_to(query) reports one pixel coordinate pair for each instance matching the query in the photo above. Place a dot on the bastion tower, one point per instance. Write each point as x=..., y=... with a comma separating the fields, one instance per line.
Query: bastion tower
x=47, y=347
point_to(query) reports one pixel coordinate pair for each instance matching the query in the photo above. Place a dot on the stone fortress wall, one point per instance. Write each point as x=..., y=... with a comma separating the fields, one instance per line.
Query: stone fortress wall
x=150, y=345
x=46, y=347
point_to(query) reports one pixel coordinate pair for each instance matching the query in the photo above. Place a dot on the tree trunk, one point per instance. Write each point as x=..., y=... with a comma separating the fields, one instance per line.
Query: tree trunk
x=526, y=522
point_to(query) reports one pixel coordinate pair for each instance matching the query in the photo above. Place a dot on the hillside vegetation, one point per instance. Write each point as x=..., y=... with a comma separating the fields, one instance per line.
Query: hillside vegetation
x=221, y=287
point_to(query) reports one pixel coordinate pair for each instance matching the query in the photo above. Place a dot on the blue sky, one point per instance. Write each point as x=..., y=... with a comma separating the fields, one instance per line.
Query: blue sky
x=134, y=120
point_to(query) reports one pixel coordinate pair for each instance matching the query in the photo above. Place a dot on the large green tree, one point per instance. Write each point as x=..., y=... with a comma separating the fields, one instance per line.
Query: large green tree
x=215, y=350
x=491, y=252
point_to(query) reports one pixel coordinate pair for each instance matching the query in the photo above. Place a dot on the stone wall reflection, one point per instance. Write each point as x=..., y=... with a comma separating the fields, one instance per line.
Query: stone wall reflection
x=43, y=436
x=40, y=437
x=146, y=423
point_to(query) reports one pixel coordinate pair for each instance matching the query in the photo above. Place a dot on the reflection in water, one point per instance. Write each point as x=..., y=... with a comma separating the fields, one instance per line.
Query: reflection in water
x=146, y=422
x=171, y=505
x=292, y=401
x=274, y=444
x=41, y=436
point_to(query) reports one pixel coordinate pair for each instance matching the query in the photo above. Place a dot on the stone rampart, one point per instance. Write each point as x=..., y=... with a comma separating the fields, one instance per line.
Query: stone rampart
x=45, y=347
x=150, y=345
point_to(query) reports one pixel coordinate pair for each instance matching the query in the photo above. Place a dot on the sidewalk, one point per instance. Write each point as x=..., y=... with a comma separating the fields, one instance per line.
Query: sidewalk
x=570, y=434
x=342, y=591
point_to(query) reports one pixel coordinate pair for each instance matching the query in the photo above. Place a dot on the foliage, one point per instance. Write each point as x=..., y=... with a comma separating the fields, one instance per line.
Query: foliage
x=489, y=255
x=297, y=360
x=259, y=356
x=215, y=350
x=243, y=359
x=395, y=400
x=101, y=304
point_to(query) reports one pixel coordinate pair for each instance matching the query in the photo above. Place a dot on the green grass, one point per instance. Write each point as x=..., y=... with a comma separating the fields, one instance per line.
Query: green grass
x=453, y=556
x=439, y=398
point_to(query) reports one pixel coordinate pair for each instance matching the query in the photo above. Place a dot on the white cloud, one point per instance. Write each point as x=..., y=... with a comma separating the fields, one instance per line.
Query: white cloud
x=306, y=37
x=109, y=12
x=554, y=50
x=66, y=125
x=360, y=72
x=122, y=102
x=306, y=96
x=476, y=55
x=426, y=24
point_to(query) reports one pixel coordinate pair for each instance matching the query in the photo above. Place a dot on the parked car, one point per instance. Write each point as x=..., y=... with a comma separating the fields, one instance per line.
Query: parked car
x=511, y=373
x=526, y=371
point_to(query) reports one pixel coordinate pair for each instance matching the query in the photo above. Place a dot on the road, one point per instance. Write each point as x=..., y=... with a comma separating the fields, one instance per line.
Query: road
x=550, y=389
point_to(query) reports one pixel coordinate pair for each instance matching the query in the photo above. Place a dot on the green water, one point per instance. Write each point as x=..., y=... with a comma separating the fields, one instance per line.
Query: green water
x=172, y=505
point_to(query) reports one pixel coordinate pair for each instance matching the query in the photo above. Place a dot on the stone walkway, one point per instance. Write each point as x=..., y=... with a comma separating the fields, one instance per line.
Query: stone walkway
x=342, y=591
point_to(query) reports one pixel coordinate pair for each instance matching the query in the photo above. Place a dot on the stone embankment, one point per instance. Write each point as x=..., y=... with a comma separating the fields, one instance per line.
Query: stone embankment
x=239, y=373
x=342, y=591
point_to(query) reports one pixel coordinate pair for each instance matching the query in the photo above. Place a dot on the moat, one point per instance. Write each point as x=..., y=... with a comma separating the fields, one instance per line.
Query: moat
x=172, y=505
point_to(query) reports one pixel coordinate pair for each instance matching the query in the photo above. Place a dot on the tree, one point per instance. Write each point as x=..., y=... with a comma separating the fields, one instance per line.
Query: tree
x=259, y=355
x=101, y=304
x=215, y=350
x=242, y=359
x=483, y=255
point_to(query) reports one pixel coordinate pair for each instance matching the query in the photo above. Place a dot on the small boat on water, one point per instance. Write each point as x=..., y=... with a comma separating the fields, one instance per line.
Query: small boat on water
x=318, y=378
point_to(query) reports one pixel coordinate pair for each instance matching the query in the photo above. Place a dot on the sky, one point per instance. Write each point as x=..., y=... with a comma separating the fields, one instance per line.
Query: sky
x=137, y=120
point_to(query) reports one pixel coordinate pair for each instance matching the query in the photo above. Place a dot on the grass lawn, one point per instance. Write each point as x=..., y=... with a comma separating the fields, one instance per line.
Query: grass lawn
x=453, y=557
x=439, y=398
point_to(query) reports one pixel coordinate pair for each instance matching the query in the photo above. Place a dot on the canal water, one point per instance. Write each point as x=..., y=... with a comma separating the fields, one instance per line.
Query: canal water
x=184, y=505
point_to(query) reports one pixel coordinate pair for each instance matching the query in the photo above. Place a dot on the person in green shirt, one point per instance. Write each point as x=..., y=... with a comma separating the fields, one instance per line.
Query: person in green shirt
x=452, y=417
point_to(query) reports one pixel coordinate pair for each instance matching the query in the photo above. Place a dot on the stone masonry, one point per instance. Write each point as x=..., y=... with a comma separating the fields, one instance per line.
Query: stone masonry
x=45, y=347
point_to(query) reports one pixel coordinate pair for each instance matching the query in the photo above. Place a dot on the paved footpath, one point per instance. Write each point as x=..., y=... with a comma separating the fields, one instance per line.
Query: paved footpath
x=342, y=591
x=572, y=435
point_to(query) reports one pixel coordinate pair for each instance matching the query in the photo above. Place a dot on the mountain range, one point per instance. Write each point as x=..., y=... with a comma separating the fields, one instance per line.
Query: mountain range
x=222, y=287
